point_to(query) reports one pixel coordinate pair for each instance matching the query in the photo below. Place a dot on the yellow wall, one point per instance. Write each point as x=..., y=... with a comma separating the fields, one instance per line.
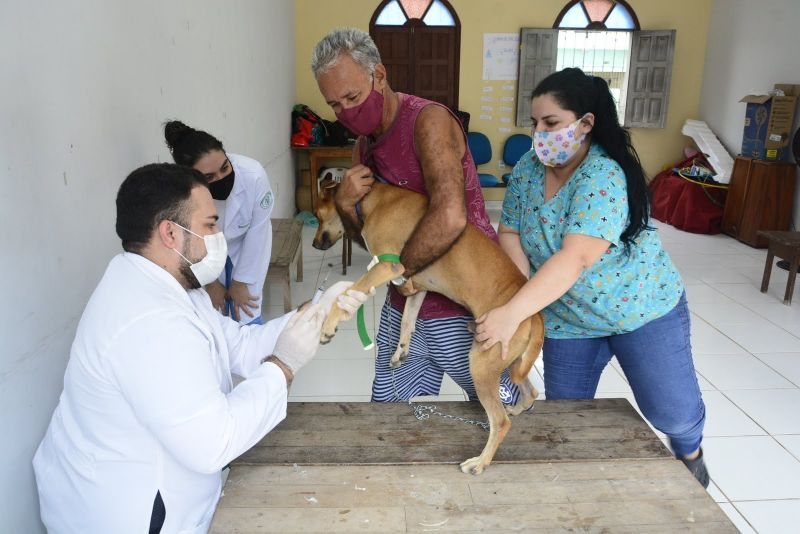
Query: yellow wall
x=657, y=147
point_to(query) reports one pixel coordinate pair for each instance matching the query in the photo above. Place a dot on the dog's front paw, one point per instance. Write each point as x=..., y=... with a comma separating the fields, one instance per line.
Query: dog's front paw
x=473, y=466
x=329, y=329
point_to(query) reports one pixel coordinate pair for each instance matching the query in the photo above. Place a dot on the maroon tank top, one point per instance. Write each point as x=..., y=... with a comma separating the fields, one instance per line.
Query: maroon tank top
x=393, y=157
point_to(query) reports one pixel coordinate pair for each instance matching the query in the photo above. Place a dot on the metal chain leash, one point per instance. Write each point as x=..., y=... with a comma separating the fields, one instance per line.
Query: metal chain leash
x=423, y=412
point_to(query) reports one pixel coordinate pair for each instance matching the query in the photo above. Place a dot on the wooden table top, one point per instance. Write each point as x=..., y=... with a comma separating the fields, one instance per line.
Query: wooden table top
x=589, y=466
x=783, y=237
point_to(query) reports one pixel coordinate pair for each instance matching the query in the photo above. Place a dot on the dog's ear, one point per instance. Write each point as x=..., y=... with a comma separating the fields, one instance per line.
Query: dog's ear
x=328, y=188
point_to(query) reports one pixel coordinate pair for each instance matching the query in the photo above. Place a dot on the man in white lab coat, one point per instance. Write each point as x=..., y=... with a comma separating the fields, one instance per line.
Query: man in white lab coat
x=149, y=415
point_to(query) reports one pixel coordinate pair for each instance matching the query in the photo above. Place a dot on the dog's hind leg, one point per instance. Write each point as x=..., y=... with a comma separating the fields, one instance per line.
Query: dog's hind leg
x=520, y=368
x=407, y=327
x=527, y=394
x=487, y=385
x=375, y=277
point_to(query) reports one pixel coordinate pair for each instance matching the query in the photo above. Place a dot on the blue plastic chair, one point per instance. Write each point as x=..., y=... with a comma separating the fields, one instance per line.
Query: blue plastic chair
x=481, y=150
x=515, y=147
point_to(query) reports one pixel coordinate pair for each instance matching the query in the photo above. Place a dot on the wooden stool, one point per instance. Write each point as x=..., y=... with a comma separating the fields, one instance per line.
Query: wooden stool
x=786, y=246
x=287, y=235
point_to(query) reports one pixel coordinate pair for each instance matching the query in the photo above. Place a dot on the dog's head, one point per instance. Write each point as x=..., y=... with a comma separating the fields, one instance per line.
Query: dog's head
x=330, y=224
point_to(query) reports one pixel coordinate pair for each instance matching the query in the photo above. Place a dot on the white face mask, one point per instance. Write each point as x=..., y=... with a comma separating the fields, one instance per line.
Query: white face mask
x=210, y=267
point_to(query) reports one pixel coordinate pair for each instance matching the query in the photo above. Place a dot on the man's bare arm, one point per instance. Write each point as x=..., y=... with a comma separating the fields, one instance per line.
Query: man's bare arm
x=440, y=146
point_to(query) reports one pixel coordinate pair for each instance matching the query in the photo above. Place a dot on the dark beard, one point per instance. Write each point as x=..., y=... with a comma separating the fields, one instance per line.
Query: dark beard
x=189, y=279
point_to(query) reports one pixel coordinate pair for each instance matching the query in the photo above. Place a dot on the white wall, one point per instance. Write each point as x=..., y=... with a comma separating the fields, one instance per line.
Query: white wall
x=751, y=46
x=85, y=88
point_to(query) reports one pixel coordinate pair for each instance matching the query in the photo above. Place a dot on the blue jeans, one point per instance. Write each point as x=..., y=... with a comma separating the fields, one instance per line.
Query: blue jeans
x=657, y=361
x=228, y=300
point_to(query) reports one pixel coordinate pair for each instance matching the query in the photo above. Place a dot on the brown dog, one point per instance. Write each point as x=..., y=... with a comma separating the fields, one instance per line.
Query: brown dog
x=475, y=272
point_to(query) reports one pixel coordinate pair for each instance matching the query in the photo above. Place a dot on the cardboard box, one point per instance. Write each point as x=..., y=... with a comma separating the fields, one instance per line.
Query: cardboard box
x=768, y=124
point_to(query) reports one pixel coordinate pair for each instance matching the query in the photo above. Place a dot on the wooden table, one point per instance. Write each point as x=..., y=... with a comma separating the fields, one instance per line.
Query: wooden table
x=585, y=466
x=317, y=155
x=786, y=246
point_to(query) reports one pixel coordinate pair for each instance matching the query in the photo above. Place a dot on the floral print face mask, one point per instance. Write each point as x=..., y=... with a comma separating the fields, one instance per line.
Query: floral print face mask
x=554, y=149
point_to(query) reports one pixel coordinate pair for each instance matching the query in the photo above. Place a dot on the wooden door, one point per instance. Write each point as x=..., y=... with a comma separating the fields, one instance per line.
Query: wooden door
x=394, y=44
x=421, y=60
x=435, y=64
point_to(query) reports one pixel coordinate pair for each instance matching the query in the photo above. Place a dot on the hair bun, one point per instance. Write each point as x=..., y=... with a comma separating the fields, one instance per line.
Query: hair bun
x=174, y=131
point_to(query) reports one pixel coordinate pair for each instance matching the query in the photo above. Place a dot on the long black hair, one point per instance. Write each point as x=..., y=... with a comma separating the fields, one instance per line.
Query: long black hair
x=187, y=144
x=582, y=94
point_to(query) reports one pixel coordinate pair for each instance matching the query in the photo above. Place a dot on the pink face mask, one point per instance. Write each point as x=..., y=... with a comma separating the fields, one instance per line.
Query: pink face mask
x=364, y=118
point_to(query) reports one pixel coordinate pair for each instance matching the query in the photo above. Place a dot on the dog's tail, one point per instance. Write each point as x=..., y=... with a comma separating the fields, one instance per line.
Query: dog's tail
x=519, y=369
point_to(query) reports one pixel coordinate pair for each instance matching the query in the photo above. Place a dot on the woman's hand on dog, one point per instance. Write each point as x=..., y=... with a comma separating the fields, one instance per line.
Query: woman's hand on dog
x=496, y=326
x=356, y=183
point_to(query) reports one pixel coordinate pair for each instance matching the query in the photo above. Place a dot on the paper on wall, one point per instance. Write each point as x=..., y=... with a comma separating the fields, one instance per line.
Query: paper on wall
x=500, y=56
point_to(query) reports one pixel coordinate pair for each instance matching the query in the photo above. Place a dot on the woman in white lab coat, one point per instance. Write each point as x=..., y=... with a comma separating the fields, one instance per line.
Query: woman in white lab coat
x=243, y=197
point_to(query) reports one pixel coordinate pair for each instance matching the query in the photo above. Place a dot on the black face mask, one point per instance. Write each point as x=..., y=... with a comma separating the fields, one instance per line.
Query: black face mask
x=221, y=189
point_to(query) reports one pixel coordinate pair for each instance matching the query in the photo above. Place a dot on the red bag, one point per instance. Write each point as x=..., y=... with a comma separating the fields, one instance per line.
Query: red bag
x=307, y=127
x=687, y=205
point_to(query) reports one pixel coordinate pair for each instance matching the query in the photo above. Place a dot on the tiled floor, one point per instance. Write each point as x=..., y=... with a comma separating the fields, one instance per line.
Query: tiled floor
x=747, y=355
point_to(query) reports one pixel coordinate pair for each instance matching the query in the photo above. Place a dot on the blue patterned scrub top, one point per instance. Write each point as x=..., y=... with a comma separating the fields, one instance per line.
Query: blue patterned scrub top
x=620, y=292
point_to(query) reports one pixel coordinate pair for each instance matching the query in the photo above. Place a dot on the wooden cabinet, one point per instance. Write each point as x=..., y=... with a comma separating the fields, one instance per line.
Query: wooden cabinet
x=760, y=197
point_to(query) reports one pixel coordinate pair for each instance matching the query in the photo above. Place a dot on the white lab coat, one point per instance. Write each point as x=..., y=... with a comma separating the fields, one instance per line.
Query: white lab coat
x=149, y=405
x=247, y=227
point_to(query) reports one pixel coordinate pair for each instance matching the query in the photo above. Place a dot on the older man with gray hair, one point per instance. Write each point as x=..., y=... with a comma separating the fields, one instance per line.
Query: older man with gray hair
x=419, y=145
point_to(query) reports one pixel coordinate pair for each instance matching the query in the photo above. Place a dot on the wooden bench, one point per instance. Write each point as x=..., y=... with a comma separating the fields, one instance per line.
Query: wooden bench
x=287, y=235
x=786, y=246
x=586, y=466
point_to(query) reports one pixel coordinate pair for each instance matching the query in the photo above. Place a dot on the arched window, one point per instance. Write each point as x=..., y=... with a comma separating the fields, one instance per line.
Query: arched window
x=595, y=36
x=420, y=45
x=597, y=15
x=400, y=12
x=602, y=38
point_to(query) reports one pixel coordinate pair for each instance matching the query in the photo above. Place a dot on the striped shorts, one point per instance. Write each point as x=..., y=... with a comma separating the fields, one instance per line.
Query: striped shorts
x=438, y=346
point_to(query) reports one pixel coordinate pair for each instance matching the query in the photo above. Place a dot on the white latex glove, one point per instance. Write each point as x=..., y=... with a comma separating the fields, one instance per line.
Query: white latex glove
x=349, y=300
x=298, y=341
